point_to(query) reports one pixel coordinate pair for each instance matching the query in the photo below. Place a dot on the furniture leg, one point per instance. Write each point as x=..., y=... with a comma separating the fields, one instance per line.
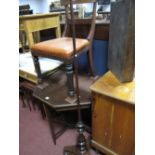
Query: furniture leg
x=48, y=114
x=37, y=68
x=22, y=98
x=41, y=108
x=27, y=98
x=36, y=36
x=70, y=82
x=90, y=61
x=32, y=100
x=22, y=37
x=73, y=150
x=58, y=32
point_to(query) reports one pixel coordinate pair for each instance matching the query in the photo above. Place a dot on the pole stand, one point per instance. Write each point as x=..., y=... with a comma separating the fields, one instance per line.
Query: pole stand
x=82, y=146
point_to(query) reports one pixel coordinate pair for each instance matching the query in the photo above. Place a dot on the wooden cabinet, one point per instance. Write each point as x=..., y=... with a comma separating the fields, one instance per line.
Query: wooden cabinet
x=113, y=116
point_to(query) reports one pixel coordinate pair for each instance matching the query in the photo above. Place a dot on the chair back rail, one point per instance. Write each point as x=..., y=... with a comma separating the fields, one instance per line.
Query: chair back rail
x=80, y=21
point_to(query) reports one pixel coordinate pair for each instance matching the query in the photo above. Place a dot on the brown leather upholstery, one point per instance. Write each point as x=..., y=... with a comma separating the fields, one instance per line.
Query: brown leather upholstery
x=60, y=47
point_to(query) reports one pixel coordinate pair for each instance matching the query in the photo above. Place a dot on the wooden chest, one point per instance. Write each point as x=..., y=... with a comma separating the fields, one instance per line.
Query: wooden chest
x=113, y=116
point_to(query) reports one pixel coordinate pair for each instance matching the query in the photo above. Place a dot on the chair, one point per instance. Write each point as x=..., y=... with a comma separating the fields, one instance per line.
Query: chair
x=62, y=48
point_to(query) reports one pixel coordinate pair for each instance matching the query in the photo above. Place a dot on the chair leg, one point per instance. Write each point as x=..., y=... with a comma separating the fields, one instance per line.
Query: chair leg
x=90, y=61
x=70, y=82
x=37, y=68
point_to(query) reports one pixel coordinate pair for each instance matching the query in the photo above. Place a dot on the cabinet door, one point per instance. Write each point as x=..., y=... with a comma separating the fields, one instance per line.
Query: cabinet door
x=122, y=138
x=121, y=54
x=113, y=126
x=101, y=120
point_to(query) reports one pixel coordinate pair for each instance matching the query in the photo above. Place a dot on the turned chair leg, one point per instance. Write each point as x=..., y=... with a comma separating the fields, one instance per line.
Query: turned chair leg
x=70, y=81
x=37, y=68
x=90, y=61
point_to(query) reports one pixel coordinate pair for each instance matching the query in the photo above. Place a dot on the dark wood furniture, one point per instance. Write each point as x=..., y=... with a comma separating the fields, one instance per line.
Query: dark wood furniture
x=62, y=48
x=53, y=98
x=83, y=27
x=113, y=116
x=121, y=54
x=25, y=91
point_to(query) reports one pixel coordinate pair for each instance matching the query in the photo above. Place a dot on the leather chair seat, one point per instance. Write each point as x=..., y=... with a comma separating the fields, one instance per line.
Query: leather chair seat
x=59, y=47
